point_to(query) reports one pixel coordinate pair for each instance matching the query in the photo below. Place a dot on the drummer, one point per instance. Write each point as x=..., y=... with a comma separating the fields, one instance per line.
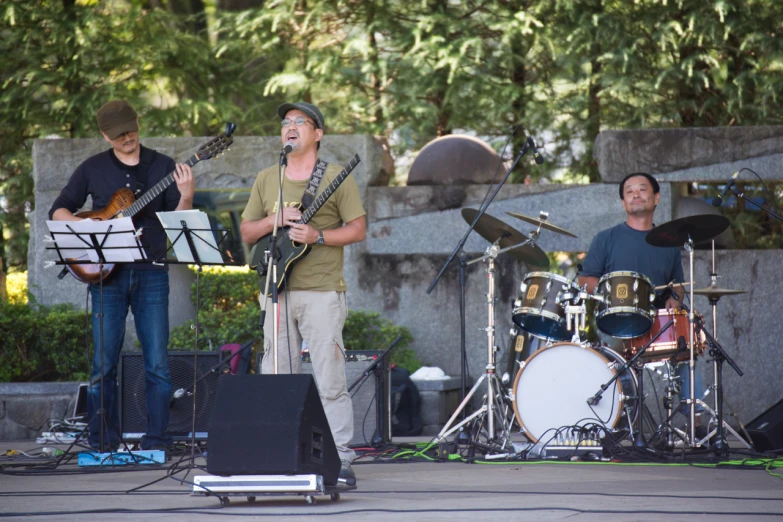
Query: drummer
x=624, y=248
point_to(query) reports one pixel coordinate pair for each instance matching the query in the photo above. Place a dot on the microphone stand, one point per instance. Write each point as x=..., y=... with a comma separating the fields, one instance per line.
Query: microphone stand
x=638, y=440
x=458, y=250
x=741, y=194
x=272, y=255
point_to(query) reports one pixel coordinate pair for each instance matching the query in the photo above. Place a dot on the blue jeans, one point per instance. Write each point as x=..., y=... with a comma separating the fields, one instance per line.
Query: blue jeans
x=146, y=292
x=684, y=373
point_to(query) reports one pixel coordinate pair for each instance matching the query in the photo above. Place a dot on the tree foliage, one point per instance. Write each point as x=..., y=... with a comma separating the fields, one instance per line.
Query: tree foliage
x=407, y=70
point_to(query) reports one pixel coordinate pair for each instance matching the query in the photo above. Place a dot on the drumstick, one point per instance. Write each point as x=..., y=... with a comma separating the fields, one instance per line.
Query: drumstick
x=671, y=285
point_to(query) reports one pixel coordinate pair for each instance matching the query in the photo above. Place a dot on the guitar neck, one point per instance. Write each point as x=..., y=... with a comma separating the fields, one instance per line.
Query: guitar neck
x=152, y=193
x=328, y=191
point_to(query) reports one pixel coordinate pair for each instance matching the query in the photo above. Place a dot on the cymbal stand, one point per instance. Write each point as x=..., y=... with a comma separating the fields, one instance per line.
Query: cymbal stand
x=718, y=357
x=495, y=409
x=691, y=360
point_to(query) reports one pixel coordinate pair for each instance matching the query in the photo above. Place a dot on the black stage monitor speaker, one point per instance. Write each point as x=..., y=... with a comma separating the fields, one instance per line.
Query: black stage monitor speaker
x=271, y=425
x=766, y=430
x=133, y=405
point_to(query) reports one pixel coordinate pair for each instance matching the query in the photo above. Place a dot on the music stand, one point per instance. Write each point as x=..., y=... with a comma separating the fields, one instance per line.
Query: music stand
x=193, y=242
x=101, y=243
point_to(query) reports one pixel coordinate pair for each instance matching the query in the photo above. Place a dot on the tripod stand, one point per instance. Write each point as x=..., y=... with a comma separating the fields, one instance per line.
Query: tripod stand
x=495, y=411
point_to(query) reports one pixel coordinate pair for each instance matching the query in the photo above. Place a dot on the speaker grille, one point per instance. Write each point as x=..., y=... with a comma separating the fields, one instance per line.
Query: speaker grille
x=133, y=407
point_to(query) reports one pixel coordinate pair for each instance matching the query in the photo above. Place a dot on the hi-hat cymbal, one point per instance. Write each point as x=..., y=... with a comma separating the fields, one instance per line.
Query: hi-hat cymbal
x=543, y=224
x=492, y=229
x=661, y=287
x=714, y=292
x=676, y=233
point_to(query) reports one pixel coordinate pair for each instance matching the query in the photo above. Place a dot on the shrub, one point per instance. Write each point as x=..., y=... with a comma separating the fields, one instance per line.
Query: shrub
x=44, y=343
x=367, y=331
x=229, y=312
x=16, y=287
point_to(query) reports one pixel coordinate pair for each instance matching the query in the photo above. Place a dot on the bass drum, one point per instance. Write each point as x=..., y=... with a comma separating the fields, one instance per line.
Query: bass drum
x=552, y=388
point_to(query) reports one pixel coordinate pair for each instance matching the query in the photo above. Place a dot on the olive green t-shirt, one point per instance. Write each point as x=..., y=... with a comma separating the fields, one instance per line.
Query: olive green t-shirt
x=322, y=268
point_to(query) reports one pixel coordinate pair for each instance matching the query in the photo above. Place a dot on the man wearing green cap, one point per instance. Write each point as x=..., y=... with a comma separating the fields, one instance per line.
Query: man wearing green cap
x=142, y=287
x=312, y=305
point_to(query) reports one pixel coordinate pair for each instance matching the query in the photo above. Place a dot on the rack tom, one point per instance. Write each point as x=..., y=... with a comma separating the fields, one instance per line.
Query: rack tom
x=625, y=307
x=539, y=310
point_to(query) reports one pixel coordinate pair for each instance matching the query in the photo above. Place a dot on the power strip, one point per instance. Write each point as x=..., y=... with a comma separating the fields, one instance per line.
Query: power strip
x=122, y=458
x=61, y=437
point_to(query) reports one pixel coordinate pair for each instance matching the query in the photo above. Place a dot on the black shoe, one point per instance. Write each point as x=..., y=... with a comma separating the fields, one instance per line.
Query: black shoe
x=346, y=476
x=701, y=432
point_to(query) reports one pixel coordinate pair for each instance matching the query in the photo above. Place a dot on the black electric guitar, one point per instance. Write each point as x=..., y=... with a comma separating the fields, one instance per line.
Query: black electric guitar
x=290, y=252
x=123, y=203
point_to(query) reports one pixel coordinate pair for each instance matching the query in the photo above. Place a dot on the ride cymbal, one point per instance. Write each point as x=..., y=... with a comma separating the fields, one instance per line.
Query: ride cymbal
x=676, y=233
x=543, y=224
x=492, y=229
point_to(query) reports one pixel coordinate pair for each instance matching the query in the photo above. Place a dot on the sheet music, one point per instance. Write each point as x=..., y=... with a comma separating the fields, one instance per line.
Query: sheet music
x=119, y=246
x=203, y=238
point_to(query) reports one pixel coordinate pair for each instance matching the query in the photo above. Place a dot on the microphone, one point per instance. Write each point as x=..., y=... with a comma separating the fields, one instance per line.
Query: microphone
x=532, y=144
x=177, y=395
x=718, y=200
x=538, y=157
x=287, y=148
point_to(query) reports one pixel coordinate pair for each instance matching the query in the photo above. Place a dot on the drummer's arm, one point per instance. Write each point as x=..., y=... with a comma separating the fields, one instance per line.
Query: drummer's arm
x=674, y=302
x=590, y=281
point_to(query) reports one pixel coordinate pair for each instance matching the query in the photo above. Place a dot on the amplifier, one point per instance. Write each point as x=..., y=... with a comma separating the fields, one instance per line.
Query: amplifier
x=133, y=405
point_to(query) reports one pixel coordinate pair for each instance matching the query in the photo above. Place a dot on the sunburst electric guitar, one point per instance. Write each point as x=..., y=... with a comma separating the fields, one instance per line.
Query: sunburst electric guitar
x=124, y=204
x=289, y=252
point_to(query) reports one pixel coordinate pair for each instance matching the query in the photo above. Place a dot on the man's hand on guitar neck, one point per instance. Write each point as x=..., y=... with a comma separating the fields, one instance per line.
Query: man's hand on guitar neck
x=183, y=175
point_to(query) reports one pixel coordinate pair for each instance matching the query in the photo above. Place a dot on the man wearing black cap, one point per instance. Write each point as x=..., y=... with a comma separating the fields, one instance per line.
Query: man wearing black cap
x=143, y=287
x=312, y=305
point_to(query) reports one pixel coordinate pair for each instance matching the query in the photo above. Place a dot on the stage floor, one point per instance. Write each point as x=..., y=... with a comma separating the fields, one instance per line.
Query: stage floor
x=414, y=491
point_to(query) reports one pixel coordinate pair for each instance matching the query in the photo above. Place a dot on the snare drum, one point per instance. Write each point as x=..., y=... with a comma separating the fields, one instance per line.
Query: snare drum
x=538, y=310
x=552, y=387
x=666, y=345
x=625, y=307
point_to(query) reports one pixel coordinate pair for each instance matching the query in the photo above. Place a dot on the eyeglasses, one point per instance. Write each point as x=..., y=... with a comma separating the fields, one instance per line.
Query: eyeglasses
x=298, y=121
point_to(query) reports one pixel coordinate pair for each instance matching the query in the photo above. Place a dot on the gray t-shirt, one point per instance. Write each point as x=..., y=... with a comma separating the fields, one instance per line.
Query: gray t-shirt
x=622, y=248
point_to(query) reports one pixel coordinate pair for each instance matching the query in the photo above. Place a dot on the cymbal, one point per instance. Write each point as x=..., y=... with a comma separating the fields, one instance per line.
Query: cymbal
x=699, y=228
x=714, y=292
x=492, y=229
x=661, y=287
x=543, y=224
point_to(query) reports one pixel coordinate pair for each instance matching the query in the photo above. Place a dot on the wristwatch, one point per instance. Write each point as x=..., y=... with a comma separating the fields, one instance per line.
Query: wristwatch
x=320, y=240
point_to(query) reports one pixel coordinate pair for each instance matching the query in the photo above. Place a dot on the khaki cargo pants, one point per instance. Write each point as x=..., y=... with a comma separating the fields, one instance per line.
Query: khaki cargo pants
x=316, y=317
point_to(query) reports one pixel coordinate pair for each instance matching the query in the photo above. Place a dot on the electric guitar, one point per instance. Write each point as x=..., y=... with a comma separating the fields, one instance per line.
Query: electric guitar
x=123, y=203
x=290, y=252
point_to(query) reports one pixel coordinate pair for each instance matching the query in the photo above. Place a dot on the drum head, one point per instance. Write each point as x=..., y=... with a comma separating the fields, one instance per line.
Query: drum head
x=552, y=389
x=623, y=325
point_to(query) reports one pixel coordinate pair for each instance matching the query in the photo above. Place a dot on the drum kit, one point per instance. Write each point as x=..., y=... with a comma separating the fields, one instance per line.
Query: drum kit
x=576, y=386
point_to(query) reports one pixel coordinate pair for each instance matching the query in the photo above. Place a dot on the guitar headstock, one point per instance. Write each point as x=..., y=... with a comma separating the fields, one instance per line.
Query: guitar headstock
x=217, y=145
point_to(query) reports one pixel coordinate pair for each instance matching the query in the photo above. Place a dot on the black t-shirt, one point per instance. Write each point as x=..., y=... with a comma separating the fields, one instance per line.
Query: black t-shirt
x=102, y=175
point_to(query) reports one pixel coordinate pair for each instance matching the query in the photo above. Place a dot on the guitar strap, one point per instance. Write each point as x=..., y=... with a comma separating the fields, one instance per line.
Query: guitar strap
x=142, y=174
x=315, y=180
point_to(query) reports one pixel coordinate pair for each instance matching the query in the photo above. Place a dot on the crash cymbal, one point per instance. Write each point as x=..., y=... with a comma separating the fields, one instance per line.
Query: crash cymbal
x=661, y=287
x=544, y=224
x=713, y=292
x=698, y=228
x=492, y=229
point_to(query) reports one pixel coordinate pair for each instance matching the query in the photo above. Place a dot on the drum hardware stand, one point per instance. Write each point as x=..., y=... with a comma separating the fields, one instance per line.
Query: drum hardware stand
x=638, y=439
x=719, y=356
x=495, y=407
x=692, y=360
x=482, y=210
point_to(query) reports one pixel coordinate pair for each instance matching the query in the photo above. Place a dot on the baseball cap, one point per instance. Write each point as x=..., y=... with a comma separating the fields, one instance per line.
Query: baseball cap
x=117, y=117
x=307, y=108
